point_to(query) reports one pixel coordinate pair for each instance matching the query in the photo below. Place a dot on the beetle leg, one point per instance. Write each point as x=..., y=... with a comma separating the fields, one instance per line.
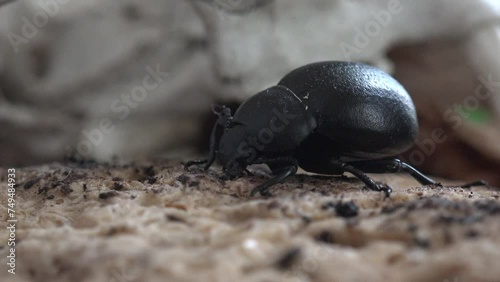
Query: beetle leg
x=264, y=187
x=476, y=183
x=213, y=147
x=393, y=165
x=370, y=183
x=420, y=177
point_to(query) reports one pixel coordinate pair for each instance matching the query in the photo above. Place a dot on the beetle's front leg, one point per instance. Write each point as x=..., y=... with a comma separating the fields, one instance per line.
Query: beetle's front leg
x=264, y=187
x=282, y=167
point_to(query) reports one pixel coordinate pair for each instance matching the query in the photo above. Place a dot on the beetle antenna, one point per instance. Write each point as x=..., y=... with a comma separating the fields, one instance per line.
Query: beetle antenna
x=223, y=121
x=224, y=113
x=214, y=143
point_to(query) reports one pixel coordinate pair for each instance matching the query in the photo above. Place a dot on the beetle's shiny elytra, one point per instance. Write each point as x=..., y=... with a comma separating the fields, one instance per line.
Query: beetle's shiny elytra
x=326, y=117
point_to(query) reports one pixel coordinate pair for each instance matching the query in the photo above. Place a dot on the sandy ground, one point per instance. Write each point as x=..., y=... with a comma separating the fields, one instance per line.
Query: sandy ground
x=153, y=221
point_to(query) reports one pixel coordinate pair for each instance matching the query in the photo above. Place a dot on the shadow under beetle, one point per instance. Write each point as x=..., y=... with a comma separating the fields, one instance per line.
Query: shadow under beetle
x=326, y=117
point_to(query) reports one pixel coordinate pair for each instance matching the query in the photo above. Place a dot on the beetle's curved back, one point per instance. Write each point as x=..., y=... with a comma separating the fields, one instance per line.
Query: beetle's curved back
x=363, y=110
x=275, y=119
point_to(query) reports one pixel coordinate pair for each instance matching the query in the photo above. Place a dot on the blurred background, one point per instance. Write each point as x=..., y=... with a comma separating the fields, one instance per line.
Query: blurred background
x=127, y=78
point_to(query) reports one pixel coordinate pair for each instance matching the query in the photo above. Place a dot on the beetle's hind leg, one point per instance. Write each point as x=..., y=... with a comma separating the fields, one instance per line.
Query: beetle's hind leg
x=395, y=165
x=370, y=183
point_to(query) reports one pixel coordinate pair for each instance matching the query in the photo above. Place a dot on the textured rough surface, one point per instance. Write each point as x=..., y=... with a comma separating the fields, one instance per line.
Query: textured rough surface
x=153, y=221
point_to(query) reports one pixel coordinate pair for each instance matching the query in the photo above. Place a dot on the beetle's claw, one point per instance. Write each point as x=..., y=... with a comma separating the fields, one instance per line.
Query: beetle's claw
x=258, y=189
x=223, y=177
x=343, y=177
x=187, y=165
x=206, y=167
x=254, y=191
x=382, y=187
x=263, y=191
x=386, y=189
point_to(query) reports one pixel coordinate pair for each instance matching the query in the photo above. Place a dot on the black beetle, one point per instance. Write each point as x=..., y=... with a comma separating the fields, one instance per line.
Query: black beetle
x=326, y=117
